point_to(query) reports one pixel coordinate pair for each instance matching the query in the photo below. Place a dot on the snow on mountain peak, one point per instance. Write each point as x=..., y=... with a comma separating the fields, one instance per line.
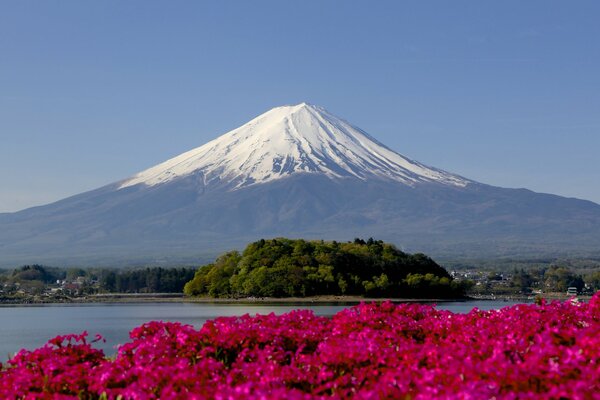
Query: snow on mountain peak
x=301, y=138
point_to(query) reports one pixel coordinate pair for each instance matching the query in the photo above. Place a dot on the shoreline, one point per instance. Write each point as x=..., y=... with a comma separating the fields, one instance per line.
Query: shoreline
x=125, y=298
x=128, y=298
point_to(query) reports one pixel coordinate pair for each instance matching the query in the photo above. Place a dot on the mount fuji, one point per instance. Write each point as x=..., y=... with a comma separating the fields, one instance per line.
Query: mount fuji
x=295, y=171
x=291, y=140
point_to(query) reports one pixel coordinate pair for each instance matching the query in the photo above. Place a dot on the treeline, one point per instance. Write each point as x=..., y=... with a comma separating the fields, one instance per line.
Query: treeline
x=148, y=280
x=35, y=272
x=287, y=268
x=553, y=279
x=37, y=278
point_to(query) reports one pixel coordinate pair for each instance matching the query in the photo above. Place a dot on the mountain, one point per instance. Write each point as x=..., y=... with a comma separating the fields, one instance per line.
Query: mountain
x=289, y=140
x=295, y=171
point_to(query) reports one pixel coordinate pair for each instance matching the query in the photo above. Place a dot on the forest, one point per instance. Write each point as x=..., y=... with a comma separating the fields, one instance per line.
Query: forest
x=297, y=268
x=40, y=279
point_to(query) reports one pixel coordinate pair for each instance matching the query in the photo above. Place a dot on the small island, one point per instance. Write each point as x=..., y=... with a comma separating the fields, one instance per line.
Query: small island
x=299, y=268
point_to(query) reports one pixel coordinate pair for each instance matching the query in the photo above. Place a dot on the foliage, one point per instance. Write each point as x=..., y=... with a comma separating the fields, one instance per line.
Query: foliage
x=286, y=268
x=147, y=280
x=558, y=279
x=593, y=279
x=35, y=279
x=552, y=279
x=371, y=351
x=36, y=273
x=527, y=275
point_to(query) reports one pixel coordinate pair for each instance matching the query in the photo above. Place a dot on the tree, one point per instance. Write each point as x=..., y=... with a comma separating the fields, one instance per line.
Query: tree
x=558, y=279
x=283, y=267
x=593, y=280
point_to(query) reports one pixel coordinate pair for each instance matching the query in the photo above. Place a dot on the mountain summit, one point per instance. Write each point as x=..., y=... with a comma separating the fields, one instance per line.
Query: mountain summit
x=295, y=171
x=287, y=140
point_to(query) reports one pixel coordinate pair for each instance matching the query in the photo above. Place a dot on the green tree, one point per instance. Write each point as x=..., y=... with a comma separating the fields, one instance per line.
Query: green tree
x=558, y=279
x=284, y=267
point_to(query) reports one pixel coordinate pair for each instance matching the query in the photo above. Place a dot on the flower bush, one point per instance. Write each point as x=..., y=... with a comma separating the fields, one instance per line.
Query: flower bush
x=371, y=351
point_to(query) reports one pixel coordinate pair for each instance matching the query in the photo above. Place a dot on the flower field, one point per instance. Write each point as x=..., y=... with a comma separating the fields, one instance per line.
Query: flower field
x=371, y=351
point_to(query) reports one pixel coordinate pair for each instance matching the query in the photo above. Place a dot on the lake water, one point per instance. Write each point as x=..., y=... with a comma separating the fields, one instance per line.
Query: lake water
x=31, y=326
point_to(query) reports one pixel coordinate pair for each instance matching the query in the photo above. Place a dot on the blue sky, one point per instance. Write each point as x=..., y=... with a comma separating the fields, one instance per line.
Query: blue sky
x=503, y=92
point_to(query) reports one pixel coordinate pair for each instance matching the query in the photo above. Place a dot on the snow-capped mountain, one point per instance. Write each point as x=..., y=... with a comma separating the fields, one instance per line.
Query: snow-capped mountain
x=295, y=171
x=301, y=138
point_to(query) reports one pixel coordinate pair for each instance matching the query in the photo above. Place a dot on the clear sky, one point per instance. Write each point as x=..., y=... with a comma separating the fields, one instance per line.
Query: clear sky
x=503, y=92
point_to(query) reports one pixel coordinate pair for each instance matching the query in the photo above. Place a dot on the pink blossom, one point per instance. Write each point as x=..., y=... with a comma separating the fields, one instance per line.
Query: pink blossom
x=371, y=351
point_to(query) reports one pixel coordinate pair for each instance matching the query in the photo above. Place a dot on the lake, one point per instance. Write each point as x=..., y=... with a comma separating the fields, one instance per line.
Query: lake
x=31, y=326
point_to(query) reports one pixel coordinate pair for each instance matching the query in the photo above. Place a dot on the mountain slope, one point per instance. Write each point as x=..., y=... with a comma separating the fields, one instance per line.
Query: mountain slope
x=294, y=171
x=288, y=140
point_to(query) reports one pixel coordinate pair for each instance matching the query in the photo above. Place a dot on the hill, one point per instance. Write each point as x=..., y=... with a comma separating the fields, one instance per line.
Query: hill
x=297, y=268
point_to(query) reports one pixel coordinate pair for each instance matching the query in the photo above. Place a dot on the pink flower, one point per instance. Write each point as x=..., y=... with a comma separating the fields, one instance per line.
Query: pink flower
x=370, y=351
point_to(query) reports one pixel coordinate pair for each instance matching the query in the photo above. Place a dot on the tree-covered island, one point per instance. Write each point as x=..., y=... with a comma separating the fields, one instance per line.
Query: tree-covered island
x=297, y=268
